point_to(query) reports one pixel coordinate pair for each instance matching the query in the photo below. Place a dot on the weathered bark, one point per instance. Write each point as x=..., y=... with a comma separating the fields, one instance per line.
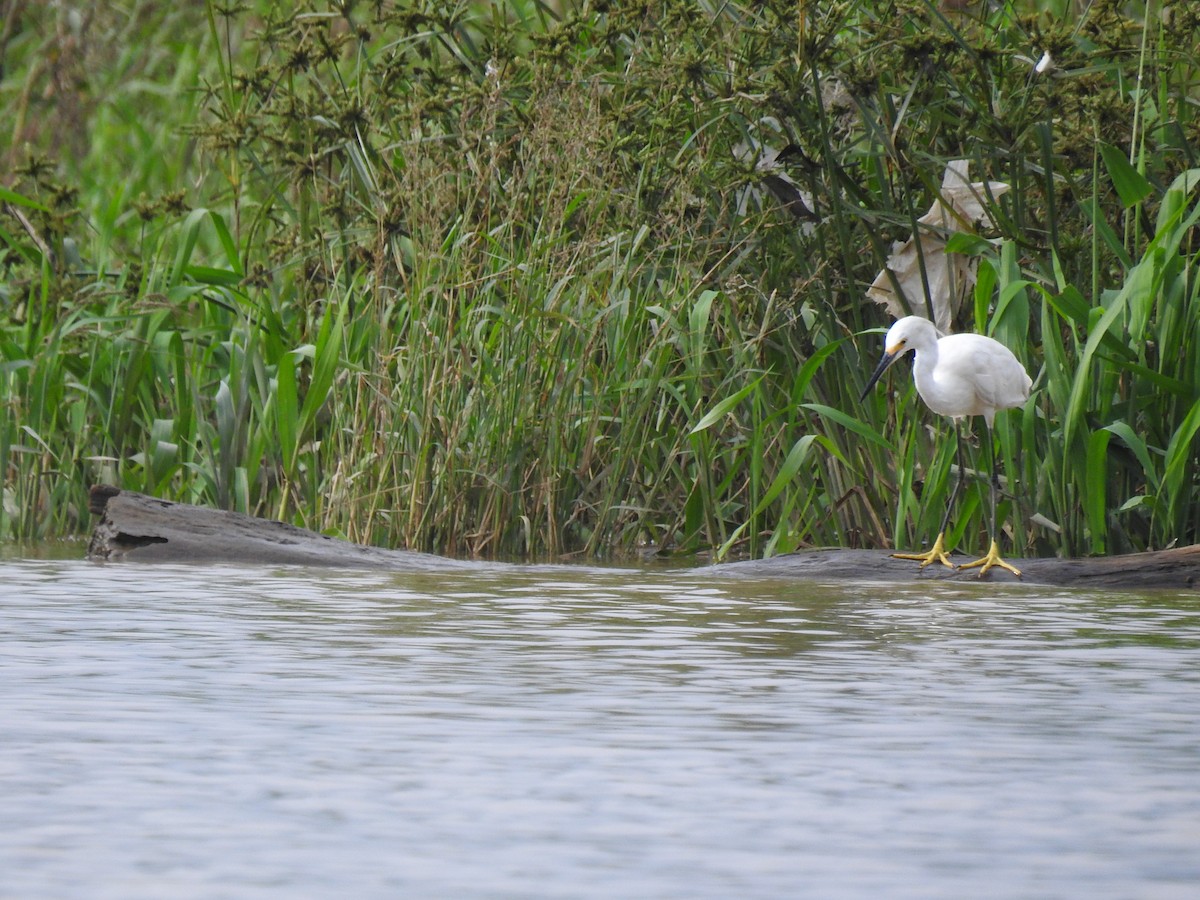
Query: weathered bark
x=1178, y=568
x=134, y=526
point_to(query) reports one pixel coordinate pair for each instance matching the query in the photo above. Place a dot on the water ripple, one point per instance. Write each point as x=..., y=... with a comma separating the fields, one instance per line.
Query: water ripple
x=213, y=732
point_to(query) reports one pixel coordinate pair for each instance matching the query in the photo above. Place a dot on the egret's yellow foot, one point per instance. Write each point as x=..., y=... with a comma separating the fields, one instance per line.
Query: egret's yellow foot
x=935, y=553
x=991, y=559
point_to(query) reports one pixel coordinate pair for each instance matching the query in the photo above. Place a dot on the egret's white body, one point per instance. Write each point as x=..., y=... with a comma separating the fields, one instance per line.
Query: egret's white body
x=958, y=375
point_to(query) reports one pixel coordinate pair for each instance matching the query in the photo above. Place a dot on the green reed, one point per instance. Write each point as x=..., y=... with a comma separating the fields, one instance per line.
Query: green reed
x=489, y=281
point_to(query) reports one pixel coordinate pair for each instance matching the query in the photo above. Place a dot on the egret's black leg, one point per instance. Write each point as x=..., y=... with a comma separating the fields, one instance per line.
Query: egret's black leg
x=937, y=553
x=992, y=557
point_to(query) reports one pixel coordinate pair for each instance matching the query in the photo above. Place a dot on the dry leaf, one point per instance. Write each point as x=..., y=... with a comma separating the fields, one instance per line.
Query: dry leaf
x=772, y=176
x=959, y=207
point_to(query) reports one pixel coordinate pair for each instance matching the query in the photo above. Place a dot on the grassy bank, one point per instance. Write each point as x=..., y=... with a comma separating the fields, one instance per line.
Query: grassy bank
x=507, y=280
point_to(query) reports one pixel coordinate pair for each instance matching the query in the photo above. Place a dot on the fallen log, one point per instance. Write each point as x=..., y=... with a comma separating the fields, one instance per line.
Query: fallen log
x=136, y=527
x=1178, y=568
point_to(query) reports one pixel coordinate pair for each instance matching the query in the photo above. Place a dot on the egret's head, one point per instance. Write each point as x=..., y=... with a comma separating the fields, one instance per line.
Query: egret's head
x=909, y=333
x=906, y=334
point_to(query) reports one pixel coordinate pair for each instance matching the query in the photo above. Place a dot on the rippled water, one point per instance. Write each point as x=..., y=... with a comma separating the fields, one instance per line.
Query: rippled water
x=198, y=732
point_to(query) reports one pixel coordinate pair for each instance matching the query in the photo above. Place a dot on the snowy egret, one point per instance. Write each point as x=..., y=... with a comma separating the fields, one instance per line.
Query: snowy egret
x=958, y=375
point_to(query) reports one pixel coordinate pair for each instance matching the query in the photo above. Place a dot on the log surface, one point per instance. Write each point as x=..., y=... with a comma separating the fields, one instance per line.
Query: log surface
x=133, y=526
x=136, y=527
x=1178, y=569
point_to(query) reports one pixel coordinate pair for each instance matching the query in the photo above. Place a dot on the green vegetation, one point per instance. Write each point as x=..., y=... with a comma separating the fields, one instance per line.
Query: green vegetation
x=496, y=279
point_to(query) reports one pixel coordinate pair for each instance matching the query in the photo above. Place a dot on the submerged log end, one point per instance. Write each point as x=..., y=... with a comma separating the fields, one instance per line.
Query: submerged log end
x=1177, y=568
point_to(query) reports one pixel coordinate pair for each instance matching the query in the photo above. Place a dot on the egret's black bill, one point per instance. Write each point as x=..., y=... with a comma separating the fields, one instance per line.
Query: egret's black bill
x=887, y=360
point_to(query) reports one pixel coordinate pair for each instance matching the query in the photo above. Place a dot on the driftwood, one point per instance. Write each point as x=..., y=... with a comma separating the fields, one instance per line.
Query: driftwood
x=134, y=526
x=1178, y=568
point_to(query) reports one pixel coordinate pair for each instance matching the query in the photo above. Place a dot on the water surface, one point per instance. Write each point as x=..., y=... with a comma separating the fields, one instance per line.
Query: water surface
x=182, y=732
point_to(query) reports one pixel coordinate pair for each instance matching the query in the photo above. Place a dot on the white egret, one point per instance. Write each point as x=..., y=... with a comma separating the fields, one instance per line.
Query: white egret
x=958, y=375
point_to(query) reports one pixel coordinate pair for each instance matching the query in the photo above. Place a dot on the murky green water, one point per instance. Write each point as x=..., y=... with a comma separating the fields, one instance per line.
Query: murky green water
x=195, y=732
